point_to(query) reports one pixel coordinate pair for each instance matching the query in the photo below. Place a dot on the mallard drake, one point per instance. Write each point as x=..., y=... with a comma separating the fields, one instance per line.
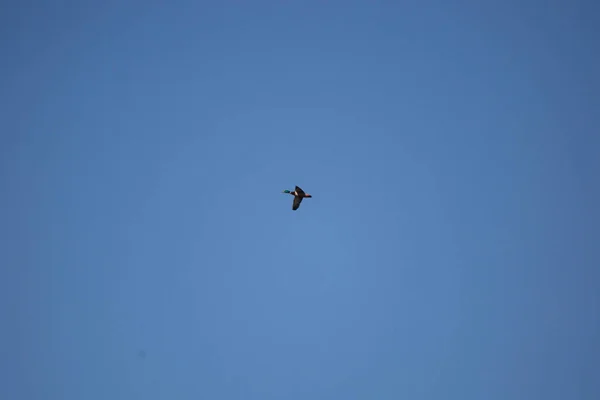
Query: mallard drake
x=298, y=194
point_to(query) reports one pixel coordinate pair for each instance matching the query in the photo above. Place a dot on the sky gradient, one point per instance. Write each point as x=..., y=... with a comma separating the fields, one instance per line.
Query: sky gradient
x=450, y=250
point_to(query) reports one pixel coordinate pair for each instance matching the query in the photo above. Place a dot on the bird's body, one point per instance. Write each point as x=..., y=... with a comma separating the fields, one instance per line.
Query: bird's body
x=298, y=194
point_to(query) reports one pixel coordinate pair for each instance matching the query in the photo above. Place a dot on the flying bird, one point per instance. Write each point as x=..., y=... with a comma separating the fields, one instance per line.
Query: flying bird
x=298, y=196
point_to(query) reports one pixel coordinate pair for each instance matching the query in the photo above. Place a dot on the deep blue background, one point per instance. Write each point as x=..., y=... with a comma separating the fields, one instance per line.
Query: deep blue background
x=450, y=250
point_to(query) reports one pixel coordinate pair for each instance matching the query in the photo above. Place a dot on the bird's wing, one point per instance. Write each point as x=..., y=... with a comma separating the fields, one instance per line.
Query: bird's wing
x=299, y=191
x=297, y=201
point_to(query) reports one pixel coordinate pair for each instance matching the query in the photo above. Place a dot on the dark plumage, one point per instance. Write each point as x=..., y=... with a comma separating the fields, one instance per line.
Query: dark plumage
x=298, y=194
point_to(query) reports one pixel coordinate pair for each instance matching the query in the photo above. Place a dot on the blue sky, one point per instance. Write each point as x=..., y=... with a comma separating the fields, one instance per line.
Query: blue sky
x=450, y=250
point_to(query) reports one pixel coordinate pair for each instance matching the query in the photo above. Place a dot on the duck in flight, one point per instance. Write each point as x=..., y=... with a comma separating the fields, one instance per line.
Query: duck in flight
x=298, y=194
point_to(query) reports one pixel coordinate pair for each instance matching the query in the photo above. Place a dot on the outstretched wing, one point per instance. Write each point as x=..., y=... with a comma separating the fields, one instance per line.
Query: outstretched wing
x=297, y=201
x=299, y=191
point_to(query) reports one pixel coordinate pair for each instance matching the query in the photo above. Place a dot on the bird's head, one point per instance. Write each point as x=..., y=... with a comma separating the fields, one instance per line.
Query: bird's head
x=286, y=191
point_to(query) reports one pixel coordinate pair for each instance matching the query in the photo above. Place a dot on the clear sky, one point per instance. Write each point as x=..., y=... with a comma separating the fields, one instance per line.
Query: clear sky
x=450, y=251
